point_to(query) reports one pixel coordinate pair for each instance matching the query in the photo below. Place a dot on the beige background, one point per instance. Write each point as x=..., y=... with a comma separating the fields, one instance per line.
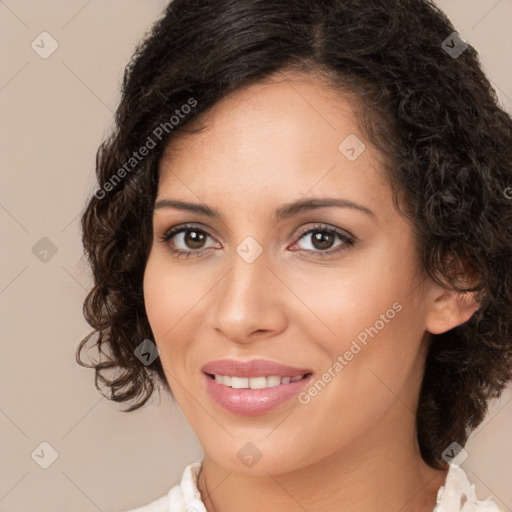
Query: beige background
x=54, y=113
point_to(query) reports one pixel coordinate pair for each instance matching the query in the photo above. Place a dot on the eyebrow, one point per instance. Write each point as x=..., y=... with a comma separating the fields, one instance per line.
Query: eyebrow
x=283, y=212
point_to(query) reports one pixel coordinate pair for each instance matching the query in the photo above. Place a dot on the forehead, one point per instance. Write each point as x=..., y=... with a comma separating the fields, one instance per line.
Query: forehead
x=286, y=136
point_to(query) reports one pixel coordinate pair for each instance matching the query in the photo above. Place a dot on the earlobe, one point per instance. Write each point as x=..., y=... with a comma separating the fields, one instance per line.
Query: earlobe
x=449, y=310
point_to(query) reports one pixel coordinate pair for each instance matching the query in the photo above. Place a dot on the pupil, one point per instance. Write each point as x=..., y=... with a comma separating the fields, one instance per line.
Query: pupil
x=322, y=238
x=194, y=239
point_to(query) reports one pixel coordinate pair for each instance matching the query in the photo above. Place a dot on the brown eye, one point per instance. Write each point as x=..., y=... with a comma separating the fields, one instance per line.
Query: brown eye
x=186, y=240
x=193, y=239
x=323, y=238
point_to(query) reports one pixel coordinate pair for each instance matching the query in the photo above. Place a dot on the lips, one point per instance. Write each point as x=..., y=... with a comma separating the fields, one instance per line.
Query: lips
x=230, y=384
x=252, y=368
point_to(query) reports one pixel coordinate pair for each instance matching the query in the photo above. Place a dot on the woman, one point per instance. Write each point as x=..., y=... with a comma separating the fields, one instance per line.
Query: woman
x=303, y=230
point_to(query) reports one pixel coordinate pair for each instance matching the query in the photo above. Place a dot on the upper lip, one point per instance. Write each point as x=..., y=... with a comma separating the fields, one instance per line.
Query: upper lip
x=252, y=368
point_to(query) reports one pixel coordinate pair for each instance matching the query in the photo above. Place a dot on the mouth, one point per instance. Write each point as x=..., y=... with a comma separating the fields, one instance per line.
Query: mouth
x=254, y=387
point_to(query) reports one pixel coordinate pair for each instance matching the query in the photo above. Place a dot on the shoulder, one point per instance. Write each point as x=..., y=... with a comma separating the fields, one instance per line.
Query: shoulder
x=183, y=497
x=458, y=495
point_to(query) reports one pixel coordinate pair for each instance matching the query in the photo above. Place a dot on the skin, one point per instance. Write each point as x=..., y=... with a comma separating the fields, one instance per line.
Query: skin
x=353, y=446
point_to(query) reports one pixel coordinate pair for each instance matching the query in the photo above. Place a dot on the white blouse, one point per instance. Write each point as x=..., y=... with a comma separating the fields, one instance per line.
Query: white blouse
x=456, y=495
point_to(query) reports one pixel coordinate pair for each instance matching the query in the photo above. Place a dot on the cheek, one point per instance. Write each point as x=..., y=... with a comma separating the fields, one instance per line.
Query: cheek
x=169, y=294
x=376, y=357
x=157, y=299
x=368, y=316
x=351, y=298
x=166, y=309
x=167, y=299
x=176, y=302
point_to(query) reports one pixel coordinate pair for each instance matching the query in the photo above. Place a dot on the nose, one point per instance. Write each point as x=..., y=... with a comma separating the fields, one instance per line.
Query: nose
x=250, y=302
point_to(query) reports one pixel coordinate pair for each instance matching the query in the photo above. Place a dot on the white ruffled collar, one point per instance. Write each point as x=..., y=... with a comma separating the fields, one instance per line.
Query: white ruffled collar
x=458, y=495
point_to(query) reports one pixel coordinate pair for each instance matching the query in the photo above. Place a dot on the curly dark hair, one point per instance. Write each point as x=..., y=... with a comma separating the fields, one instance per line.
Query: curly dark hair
x=423, y=101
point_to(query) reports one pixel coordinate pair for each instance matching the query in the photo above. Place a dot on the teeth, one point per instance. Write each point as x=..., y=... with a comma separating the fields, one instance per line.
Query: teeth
x=273, y=380
x=239, y=382
x=255, y=382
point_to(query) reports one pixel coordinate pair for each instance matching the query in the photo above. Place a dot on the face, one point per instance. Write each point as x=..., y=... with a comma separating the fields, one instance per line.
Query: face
x=258, y=292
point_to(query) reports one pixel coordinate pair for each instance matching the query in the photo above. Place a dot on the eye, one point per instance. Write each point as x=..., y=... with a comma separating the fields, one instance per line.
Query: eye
x=323, y=238
x=191, y=239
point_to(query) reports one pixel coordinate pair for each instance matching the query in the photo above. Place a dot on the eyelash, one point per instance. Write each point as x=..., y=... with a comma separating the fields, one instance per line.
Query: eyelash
x=347, y=240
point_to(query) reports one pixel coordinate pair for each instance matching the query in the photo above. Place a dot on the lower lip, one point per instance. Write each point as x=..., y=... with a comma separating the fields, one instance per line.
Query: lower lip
x=250, y=402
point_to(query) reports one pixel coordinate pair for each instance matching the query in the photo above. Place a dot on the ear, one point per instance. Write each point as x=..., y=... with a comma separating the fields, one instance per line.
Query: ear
x=449, y=309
